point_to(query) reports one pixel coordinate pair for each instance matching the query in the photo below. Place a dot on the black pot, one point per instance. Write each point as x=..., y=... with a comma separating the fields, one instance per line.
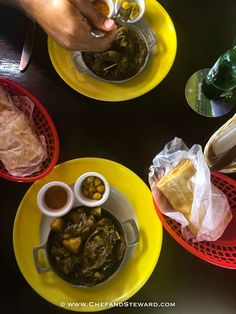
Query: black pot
x=127, y=230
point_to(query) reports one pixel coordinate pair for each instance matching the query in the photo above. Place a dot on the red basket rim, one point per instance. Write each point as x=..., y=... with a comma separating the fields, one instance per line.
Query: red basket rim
x=184, y=243
x=52, y=128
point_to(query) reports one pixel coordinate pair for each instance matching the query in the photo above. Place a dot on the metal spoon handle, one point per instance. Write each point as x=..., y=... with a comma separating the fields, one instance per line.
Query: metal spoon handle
x=121, y=16
x=97, y=33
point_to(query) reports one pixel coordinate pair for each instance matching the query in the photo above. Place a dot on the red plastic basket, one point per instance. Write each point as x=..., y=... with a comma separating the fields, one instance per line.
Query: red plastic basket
x=43, y=126
x=221, y=252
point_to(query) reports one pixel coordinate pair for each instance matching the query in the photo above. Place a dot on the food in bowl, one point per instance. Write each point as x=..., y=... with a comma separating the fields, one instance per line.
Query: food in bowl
x=86, y=246
x=102, y=6
x=132, y=7
x=55, y=199
x=130, y=11
x=93, y=187
x=123, y=60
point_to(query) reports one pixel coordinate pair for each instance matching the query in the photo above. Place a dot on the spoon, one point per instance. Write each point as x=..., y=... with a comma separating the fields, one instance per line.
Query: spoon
x=120, y=16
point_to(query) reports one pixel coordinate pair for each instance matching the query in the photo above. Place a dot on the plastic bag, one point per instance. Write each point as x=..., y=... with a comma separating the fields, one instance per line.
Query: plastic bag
x=210, y=211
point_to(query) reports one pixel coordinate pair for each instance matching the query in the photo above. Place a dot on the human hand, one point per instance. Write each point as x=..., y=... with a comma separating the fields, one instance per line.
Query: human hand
x=70, y=23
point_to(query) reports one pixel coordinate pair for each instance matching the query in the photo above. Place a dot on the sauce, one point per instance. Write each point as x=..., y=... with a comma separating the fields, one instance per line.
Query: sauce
x=100, y=247
x=101, y=6
x=55, y=197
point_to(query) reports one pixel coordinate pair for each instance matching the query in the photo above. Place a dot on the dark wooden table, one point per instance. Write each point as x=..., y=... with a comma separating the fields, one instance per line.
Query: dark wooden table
x=130, y=133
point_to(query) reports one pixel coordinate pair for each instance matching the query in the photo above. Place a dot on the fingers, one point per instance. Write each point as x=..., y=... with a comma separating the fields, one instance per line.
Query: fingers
x=108, y=25
x=82, y=40
x=73, y=31
x=95, y=17
x=98, y=44
x=92, y=19
x=101, y=44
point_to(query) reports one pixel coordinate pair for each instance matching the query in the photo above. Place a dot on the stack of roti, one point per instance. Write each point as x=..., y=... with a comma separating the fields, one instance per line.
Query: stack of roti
x=175, y=187
x=21, y=150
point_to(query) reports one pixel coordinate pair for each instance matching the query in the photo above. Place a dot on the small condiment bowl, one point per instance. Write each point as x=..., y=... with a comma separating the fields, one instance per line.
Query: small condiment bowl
x=140, y=3
x=55, y=199
x=86, y=201
x=110, y=4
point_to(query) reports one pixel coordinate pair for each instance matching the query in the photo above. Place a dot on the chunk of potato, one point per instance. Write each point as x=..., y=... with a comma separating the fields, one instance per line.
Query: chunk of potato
x=57, y=224
x=100, y=188
x=96, y=211
x=72, y=244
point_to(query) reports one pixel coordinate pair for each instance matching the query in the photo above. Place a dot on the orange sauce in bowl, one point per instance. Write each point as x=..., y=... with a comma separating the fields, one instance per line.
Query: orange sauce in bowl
x=101, y=6
x=56, y=197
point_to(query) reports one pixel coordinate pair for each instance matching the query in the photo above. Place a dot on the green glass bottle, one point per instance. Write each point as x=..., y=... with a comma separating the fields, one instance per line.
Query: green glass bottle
x=222, y=76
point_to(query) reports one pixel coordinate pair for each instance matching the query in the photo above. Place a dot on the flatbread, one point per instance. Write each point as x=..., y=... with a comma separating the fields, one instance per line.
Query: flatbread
x=21, y=150
x=175, y=187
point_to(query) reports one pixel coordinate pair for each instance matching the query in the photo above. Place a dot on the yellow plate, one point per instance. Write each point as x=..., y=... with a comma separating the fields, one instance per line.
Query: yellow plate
x=155, y=72
x=131, y=277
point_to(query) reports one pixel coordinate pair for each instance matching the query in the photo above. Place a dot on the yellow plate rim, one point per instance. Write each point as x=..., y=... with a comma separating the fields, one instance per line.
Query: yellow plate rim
x=155, y=250
x=134, y=88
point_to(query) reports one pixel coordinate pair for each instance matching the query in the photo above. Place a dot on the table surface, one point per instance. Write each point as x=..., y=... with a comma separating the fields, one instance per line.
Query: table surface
x=131, y=133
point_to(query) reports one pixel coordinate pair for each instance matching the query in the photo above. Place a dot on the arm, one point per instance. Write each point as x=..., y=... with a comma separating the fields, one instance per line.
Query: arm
x=69, y=22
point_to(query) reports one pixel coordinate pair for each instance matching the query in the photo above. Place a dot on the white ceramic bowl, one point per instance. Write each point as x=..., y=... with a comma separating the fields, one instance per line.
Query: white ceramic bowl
x=85, y=200
x=45, y=209
x=111, y=6
x=142, y=6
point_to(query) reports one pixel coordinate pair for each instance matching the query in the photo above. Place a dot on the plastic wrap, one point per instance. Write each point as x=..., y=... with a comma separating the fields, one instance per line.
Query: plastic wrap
x=210, y=212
